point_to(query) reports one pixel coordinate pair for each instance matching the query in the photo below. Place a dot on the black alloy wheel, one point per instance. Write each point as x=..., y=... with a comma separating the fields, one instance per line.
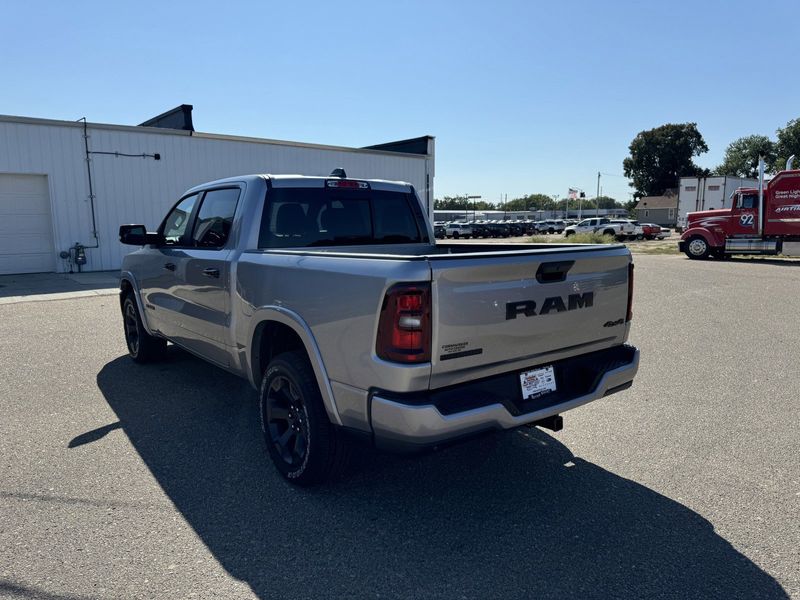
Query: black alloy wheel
x=131, y=320
x=303, y=444
x=142, y=347
x=287, y=421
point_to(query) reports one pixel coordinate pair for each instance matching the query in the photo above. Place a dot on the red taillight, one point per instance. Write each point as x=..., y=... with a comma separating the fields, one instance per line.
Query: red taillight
x=630, y=293
x=404, y=328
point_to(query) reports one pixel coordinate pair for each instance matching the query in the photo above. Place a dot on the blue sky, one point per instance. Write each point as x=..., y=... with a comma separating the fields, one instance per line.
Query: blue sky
x=523, y=97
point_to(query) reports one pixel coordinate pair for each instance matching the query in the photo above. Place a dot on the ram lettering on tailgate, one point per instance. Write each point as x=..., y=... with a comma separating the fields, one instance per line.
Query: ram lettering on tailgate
x=552, y=304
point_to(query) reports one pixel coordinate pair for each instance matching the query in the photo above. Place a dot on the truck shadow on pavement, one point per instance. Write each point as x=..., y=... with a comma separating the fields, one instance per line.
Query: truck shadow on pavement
x=513, y=515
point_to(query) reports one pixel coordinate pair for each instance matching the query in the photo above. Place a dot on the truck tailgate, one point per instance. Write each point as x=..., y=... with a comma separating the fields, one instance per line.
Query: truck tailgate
x=513, y=310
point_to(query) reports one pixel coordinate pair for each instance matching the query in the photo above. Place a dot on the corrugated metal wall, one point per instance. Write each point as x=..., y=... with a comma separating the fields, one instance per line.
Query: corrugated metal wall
x=141, y=190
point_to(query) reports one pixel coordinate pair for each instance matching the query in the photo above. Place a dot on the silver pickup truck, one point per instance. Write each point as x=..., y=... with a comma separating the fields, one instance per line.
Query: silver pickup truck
x=332, y=298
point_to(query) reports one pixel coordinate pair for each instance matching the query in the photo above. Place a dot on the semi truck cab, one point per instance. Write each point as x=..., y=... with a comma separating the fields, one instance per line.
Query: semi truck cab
x=763, y=220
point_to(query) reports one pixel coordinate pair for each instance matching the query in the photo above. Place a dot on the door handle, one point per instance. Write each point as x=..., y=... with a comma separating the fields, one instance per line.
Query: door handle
x=169, y=266
x=211, y=272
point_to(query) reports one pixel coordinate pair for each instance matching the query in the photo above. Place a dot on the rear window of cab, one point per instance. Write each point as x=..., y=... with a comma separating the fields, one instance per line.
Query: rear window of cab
x=309, y=217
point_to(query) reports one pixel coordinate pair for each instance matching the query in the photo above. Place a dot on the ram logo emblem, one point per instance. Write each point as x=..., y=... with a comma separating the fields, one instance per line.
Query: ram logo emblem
x=557, y=304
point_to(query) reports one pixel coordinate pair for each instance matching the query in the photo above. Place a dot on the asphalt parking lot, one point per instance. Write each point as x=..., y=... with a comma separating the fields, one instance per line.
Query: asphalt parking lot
x=127, y=481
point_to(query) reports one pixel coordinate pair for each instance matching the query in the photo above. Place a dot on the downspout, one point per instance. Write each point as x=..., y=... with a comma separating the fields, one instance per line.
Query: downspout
x=91, y=188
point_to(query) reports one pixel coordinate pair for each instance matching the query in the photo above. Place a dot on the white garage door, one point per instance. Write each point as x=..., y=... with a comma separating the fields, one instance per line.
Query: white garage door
x=26, y=232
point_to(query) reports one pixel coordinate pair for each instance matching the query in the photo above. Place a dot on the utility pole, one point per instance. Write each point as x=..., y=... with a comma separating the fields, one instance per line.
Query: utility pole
x=597, y=200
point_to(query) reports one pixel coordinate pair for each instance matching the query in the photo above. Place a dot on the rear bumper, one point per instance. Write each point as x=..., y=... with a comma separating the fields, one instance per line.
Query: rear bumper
x=409, y=422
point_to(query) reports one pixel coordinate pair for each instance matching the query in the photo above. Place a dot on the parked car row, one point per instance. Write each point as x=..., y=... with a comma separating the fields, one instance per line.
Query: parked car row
x=622, y=229
x=482, y=229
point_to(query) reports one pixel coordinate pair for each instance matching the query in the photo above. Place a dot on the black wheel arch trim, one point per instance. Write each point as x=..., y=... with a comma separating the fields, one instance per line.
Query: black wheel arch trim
x=126, y=277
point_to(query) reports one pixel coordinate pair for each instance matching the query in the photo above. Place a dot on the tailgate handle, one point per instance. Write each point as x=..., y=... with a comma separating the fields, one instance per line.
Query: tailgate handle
x=553, y=272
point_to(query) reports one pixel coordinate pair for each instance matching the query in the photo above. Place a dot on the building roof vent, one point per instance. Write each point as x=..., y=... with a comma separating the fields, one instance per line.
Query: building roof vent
x=179, y=117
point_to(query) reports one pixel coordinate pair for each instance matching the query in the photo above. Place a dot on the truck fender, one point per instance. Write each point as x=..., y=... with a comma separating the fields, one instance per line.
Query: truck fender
x=713, y=239
x=291, y=319
x=127, y=277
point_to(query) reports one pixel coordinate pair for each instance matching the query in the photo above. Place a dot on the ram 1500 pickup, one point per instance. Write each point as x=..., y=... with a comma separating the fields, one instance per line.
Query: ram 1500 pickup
x=331, y=296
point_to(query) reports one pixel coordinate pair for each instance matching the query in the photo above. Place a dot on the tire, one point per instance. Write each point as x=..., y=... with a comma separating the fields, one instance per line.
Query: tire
x=304, y=446
x=455, y=235
x=609, y=232
x=568, y=233
x=142, y=347
x=639, y=237
x=697, y=248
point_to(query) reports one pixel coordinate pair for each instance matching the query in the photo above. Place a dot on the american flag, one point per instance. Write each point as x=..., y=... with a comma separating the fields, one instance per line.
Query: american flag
x=573, y=194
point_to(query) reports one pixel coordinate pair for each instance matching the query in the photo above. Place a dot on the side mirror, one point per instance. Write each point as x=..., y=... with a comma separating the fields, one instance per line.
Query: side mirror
x=136, y=235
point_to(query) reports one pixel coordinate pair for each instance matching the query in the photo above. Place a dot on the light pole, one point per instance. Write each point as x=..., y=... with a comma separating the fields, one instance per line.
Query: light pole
x=473, y=198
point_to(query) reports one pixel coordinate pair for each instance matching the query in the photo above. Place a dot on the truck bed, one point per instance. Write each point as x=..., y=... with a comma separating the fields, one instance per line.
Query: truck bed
x=492, y=308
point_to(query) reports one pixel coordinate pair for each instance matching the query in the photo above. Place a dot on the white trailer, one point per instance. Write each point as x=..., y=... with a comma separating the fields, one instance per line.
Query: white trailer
x=707, y=193
x=50, y=202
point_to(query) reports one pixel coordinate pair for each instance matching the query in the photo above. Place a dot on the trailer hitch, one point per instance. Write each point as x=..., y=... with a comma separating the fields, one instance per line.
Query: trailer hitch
x=553, y=423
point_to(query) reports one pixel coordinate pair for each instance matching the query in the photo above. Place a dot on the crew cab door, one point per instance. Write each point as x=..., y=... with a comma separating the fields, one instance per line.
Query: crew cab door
x=191, y=295
x=158, y=269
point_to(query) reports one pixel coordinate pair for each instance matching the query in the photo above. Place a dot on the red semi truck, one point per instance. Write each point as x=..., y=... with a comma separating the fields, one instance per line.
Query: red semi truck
x=763, y=220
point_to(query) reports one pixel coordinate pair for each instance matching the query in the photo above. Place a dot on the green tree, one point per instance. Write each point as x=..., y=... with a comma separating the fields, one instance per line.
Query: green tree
x=605, y=202
x=531, y=202
x=741, y=156
x=450, y=203
x=461, y=203
x=661, y=156
x=788, y=144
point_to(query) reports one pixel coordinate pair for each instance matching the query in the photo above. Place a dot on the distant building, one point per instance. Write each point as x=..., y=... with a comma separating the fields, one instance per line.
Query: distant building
x=661, y=210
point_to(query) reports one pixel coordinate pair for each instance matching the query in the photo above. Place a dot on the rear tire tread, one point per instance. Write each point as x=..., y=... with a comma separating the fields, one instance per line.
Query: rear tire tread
x=329, y=450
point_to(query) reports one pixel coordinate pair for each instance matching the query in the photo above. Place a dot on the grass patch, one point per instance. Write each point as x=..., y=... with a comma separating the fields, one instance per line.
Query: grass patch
x=641, y=249
x=576, y=238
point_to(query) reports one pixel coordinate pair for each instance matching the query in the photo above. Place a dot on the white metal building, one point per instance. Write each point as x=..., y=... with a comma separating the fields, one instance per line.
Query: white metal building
x=706, y=193
x=138, y=172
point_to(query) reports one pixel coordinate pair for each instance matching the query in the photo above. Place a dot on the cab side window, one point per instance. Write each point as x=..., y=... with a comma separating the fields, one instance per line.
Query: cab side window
x=174, y=228
x=748, y=201
x=215, y=218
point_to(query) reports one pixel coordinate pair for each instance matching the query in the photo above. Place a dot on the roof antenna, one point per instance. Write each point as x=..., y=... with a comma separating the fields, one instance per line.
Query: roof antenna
x=339, y=173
